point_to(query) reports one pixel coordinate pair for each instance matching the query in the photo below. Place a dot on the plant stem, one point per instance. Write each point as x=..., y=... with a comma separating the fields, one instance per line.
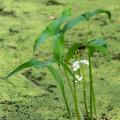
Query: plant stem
x=92, y=96
x=84, y=87
x=84, y=92
x=67, y=107
x=91, y=89
x=94, y=102
x=66, y=102
x=69, y=83
x=74, y=95
x=75, y=100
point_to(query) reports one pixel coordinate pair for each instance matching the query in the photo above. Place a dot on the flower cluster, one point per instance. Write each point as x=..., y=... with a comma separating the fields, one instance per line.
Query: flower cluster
x=78, y=78
x=76, y=66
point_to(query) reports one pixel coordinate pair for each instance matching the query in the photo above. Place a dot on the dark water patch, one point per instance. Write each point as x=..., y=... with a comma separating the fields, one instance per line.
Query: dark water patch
x=118, y=30
x=36, y=96
x=81, y=35
x=44, y=95
x=102, y=78
x=3, y=117
x=109, y=108
x=53, y=2
x=113, y=37
x=13, y=30
x=1, y=39
x=103, y=23
x=51, y=87
x=104, y=117
x=116, y=56
x=12, y=47
x=10, y=13
x=26, y=13
x=48, y=87
x=66, y=116
x=90, y=33
x=56, y=98
x=98, y=18
x=34, y=78
x=8, y=102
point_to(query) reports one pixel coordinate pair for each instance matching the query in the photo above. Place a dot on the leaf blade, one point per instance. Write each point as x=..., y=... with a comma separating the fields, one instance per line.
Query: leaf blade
x=30, y=63
x=58, y=47
x=52, y=29
x=99, y=45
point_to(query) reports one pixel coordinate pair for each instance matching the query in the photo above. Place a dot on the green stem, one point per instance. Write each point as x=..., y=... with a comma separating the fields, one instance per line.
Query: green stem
x=75, y=100
x=84, y=91
x=69, y=83
x=66, y=102
x=84, y=87
x=87, y=25
x=67, y=106
x=74, y=95
x=94, y=102
x=92, y=96
x=91, y=89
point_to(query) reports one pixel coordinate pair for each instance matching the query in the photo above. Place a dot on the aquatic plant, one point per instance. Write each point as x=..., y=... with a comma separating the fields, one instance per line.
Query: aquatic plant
x=63, y=60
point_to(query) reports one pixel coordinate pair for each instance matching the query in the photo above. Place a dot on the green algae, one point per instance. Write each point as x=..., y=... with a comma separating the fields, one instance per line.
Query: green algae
x=20, y=23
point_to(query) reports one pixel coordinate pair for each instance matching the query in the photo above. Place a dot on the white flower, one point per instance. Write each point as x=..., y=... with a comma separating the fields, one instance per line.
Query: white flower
x=79, y=78
x=84, y=62
x=76, y=65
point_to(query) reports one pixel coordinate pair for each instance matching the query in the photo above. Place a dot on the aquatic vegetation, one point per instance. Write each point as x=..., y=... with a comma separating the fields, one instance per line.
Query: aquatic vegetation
x=61, y=60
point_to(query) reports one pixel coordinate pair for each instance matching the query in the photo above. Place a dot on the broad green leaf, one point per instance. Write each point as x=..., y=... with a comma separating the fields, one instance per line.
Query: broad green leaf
x=84, y=17
x=72, y=51
x=97, y=45
x=40, y=39
x=30, y=63
x=87, y=15
x=58, y=46
x=59, y=80
x=98, y=11
x=52, y=29
x=72, y=23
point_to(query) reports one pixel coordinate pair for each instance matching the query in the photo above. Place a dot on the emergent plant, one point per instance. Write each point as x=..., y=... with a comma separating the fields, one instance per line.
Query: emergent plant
x=56, y=32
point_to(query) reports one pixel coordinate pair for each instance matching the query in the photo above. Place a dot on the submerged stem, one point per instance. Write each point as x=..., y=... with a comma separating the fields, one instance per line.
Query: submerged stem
x=91, y=89
x=84, y=91
x=76, y=103
x=66, y=102
x=94, y=101
x=74, y=95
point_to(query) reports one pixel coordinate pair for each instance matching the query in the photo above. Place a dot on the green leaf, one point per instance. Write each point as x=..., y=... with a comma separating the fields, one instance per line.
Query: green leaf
x=52, y=29
x=97, y=45
x=99, y=11
x=59, y=80
x=84, y=17
x=30, y=63
x=87, y=15
x=72, y=23
x=58, y=46
x=72, y=51
x=40, y=39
